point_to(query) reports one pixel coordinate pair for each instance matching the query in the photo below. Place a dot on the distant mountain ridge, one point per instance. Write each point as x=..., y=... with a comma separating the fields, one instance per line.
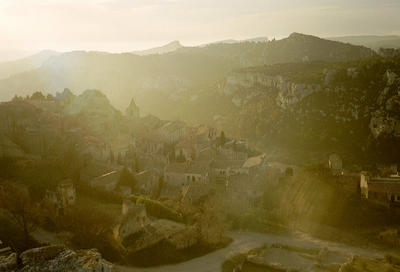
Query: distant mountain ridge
x=25, y=64
x=232, y=41
x=371, y=41
x=168, y=48
x=183, y=69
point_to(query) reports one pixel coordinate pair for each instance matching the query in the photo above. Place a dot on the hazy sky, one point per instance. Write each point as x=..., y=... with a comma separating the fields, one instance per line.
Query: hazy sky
x=126, y=25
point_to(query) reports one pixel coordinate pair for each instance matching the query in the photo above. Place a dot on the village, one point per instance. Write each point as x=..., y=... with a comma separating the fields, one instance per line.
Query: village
x=188, y=164
x=165, y=182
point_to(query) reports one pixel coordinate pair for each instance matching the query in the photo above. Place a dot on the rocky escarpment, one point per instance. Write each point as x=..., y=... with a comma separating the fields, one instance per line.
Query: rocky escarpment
x=343, y=107
x=386, y=119
x=60, y=259
x=144, y=236
x=287, y=92
x=8, y=258
x=53, y=259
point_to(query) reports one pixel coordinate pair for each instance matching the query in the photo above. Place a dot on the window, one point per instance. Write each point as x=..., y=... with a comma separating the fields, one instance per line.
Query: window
x=193, y=178
x=188, y=178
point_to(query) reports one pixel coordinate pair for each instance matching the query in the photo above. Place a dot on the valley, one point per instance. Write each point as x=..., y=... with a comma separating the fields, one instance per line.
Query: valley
x=253, y=155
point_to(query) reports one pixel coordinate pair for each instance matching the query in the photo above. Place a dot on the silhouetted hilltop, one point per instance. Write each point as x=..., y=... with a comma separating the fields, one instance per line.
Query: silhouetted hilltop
x=186, y=68
x=168, y=48
x=25, y=64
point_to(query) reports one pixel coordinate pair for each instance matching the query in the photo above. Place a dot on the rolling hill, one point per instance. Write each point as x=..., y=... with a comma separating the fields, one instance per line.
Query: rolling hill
x=122, y=76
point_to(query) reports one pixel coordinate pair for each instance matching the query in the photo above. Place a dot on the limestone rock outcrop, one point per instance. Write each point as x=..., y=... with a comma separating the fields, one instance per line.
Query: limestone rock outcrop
x=358, y=264
x=59, y=259
x=288, y=92
x=8, y=259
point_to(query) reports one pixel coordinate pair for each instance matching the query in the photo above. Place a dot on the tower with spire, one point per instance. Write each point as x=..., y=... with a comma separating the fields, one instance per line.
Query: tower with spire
x=133, y=110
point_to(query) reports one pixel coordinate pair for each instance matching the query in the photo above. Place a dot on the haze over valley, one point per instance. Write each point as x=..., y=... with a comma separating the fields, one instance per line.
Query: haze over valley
x=186, y=136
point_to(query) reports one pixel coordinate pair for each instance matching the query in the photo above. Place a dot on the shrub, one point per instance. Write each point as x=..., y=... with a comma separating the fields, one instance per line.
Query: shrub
x=92, y=228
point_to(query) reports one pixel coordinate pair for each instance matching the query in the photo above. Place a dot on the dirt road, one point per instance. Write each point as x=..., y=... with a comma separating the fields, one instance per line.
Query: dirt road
x=244, y=241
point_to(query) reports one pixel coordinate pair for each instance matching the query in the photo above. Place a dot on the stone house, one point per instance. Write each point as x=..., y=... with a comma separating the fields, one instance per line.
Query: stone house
x=63, y=196
x=177, y=174
x=186, y=148
x=382, y=190
x=233, y=150
x=149, y=143
x=207, y=154
x=173, y=131
x=223, y=169
x=206, y=133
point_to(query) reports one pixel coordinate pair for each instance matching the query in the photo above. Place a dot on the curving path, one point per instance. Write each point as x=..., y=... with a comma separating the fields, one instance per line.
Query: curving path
x=244, y=241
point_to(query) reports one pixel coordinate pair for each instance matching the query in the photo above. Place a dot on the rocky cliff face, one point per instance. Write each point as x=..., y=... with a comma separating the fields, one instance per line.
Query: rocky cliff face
x=56, y=259
x=386, y=119
x=288, y=92
x=344, y=107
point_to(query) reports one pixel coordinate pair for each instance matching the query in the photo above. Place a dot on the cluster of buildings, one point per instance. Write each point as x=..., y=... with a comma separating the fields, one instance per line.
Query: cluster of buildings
x=381, y=190
x=382, y=187
x=178, y=155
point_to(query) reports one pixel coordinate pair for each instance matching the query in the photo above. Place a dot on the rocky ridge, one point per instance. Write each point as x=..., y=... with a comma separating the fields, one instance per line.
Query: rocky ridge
x=56, y=259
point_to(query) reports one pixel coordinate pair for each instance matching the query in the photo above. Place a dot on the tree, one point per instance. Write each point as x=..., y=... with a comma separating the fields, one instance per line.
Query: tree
x=38, y=96
x=17, y=98
x=222, y=138
x=126, y=178
x=160, y=186
x=209, y=223
x=91, y=228
x=137, y=165
x=119, y=158
x=289, y=172
x=112, y=156
x=19, y=208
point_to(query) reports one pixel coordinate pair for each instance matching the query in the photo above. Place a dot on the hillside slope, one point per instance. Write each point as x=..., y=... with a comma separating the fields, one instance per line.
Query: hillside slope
x=179, y=71
x=374, y=42
x=168, y=48
x=25, y=64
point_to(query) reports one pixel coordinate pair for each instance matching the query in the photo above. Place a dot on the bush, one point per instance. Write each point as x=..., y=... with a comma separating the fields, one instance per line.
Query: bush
x=98, y=194
x=126, y=178
x=13, y=237
x=92, y=228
